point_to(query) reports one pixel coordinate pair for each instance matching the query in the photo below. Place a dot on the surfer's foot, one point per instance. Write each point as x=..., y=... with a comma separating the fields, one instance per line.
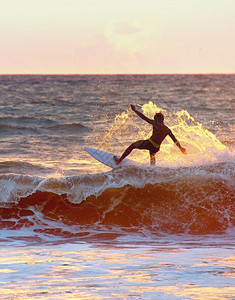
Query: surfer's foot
x=116, y=159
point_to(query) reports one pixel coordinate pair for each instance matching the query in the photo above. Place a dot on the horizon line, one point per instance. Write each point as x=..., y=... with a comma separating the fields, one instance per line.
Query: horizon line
x=112, y=74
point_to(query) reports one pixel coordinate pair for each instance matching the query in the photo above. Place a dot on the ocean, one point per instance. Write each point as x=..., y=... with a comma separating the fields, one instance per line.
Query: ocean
x=72, y=228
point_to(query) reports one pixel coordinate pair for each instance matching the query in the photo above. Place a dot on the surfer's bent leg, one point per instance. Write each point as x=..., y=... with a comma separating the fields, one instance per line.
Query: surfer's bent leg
x=134, y=145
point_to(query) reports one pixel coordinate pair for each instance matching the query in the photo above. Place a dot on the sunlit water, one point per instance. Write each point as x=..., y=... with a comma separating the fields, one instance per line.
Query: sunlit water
x=71, y=228
x=172, y=267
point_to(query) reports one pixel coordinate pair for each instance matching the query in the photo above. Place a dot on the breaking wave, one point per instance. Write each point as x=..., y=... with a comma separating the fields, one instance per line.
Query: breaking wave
x=195, y=200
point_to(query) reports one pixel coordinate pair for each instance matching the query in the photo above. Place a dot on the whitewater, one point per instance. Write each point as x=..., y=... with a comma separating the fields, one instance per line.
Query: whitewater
x=74, y=228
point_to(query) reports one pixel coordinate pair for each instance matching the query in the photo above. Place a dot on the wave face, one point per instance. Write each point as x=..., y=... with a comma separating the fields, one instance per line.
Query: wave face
x=181, y=200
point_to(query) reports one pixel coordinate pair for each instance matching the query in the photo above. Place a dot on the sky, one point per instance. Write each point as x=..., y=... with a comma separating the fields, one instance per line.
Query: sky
x=117, y=36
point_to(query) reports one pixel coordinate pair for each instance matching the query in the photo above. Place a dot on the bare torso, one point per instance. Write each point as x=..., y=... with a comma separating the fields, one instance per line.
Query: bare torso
x=160, y=131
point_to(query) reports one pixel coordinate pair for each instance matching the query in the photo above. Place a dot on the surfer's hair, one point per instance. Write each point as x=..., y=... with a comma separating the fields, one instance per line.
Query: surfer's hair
x=159, y=117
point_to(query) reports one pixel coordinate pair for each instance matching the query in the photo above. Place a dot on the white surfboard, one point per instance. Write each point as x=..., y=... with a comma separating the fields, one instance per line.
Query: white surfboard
x=106, y=158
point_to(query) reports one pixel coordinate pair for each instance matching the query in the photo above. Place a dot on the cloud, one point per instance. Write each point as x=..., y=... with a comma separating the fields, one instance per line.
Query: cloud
x=126, y=28
x=125, y=36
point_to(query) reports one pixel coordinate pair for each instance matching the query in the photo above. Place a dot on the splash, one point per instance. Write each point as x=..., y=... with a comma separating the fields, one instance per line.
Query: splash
x=203, y=147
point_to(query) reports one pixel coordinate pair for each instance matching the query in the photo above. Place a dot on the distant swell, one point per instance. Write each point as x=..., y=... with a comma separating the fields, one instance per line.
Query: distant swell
x=32, y=125
x=71, y=127
x=205, y=206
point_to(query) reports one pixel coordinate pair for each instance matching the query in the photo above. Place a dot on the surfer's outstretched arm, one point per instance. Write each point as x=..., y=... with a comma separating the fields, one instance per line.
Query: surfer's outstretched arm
x=183, y=150
x=142, y=116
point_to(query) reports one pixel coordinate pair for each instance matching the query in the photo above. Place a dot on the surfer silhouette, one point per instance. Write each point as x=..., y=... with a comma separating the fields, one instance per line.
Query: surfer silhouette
x=160, y=131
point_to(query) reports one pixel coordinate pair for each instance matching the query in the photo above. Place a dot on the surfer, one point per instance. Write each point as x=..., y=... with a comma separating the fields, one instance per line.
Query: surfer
x=160, y=131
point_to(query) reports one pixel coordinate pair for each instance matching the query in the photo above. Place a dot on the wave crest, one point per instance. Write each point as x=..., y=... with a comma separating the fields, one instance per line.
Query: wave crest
x=180, y=200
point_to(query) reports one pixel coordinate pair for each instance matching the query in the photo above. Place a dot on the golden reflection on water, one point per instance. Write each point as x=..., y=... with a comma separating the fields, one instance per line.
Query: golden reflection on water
x=189, y=292
x=109, y=274
x=7, y=271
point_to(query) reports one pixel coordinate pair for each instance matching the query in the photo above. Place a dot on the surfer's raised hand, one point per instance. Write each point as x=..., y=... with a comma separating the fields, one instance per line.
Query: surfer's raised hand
x=133, y=107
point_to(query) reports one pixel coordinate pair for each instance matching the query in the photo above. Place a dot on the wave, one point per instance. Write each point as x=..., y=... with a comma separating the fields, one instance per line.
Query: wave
x=180, y=200
x=37, y=126
x=23, y=125
x=23, y=168
x=26, y=120
x=9, y=130
x=69, y=127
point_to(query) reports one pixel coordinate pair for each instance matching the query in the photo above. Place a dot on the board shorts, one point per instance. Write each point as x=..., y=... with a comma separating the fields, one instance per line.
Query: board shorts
x=148, y=145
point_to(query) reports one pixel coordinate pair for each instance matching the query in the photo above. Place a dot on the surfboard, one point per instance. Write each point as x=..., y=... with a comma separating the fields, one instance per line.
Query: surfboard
x=106, y=158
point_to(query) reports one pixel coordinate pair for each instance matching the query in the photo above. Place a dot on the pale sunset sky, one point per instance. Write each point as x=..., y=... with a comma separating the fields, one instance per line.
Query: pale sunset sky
x=117, y=36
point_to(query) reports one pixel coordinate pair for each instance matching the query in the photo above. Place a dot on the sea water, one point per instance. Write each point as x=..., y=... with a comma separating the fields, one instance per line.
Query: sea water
x=72, y=228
